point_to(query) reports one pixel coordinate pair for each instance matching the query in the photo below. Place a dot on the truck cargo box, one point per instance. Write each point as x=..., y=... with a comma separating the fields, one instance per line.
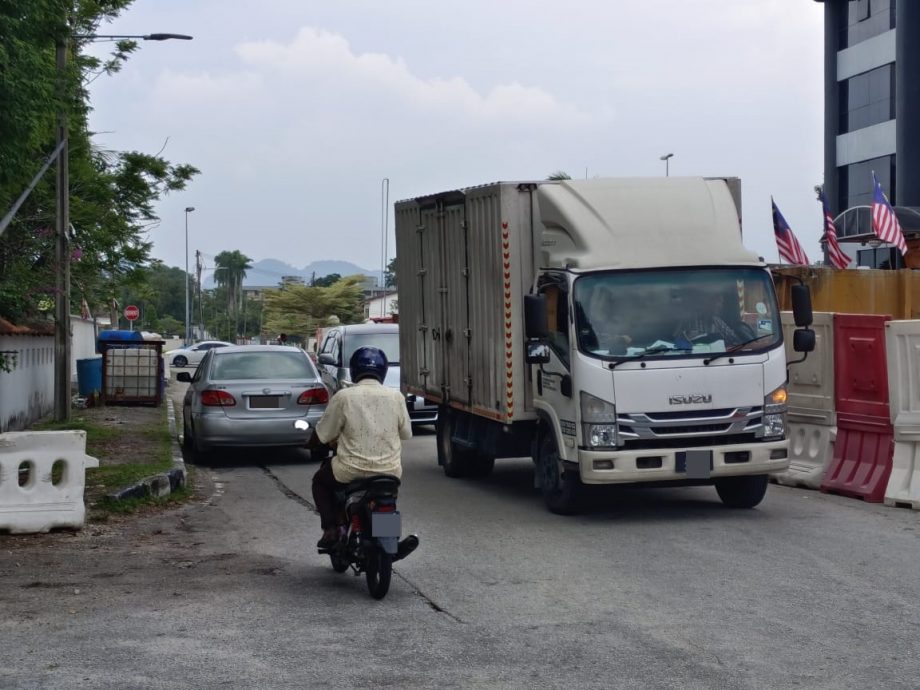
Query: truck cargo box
x=464, y=260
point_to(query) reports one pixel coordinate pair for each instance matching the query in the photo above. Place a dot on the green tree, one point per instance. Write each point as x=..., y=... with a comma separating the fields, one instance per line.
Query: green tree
x=231, y=267
x=300, y=310
x=389, y=278
x=112, y=194
x=559, y=175
x=327, y=281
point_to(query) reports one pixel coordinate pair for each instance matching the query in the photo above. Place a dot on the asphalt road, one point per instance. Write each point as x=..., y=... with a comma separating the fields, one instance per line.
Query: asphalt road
x=648, y=588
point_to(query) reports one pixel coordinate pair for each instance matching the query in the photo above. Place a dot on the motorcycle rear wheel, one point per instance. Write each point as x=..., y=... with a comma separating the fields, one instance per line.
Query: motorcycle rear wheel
x=379, y=572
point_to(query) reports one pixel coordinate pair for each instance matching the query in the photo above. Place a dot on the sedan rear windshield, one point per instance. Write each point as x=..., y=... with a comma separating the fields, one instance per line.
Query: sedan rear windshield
x=260, y=365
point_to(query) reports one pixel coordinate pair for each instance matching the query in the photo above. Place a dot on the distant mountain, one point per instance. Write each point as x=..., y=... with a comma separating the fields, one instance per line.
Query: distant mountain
x=268, y=272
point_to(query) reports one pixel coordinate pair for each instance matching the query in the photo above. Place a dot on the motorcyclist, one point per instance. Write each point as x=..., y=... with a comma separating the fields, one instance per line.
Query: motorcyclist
x=365, y=423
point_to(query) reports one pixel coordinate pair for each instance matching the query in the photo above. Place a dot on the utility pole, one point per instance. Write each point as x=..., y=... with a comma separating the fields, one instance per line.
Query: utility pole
x=198, y=268
x=62, y=254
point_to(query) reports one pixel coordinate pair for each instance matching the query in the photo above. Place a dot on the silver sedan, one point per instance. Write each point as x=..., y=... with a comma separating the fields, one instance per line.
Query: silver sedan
x=250, y=396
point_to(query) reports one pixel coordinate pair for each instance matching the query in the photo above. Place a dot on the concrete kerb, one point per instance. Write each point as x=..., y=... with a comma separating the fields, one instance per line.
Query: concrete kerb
x=163, y=484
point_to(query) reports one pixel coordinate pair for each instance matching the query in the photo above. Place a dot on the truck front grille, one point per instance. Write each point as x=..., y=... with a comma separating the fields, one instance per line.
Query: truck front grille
x=698, y=427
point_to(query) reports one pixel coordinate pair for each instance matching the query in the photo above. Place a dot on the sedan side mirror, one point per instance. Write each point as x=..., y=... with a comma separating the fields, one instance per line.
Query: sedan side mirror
x=184, y=377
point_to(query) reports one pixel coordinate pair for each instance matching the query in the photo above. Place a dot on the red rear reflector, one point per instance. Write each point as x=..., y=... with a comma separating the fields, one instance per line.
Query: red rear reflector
x=314, y=396
x=213, y=398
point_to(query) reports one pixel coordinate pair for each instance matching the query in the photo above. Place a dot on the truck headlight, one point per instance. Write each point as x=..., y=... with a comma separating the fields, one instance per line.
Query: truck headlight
x=598, y=422
x=774, y=415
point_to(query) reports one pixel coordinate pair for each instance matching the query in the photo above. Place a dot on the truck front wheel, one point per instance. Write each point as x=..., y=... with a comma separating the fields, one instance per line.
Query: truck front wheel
x=742, y=492
x=561, y=490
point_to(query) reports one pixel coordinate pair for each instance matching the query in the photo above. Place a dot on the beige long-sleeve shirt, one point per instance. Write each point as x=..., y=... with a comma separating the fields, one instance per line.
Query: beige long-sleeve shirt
x=369, y=420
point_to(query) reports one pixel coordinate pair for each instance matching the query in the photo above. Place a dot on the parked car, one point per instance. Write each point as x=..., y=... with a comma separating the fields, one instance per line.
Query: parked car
x=340, y=342
x=193, y=354
x=250, y=396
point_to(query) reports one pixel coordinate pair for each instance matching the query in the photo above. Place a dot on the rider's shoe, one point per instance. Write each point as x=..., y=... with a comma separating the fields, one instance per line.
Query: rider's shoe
x=406, y=546
x=329, y=539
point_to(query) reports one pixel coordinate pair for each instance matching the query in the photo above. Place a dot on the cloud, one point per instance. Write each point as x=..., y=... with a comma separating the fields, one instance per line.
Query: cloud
x=320, y=57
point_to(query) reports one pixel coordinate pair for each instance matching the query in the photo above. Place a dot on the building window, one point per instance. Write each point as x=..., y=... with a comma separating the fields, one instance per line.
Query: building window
x=867, y=99
x=880, y=257
x=856, y=181
x=864, y=19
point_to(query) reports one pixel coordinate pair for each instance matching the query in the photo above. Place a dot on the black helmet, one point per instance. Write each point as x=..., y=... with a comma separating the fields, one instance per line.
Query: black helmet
x=368, y=362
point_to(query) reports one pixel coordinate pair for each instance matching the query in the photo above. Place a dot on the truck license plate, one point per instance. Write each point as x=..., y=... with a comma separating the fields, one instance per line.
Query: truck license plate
x=697, y=464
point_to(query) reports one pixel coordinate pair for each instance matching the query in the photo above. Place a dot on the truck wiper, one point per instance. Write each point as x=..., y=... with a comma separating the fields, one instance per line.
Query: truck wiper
x=735, y=348
x=650, y=351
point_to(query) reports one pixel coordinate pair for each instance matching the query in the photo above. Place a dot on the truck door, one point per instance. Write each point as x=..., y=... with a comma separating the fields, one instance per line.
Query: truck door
x=431, y=288
x=554, y=380
x=454, y=300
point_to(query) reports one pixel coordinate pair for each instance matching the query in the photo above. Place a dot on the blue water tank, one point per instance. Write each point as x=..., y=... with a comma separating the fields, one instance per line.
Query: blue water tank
x=89, y=376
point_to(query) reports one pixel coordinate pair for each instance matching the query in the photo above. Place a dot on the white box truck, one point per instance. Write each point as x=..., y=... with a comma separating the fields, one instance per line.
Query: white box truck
x=614, y=330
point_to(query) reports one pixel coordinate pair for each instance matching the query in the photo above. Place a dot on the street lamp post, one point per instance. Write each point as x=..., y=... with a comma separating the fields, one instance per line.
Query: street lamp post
x=384, y=202
x=188, y=209
x=62, y=341
x=666, y=157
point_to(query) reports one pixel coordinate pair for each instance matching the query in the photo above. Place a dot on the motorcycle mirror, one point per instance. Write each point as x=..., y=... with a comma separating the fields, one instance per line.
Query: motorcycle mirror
x=301, y=425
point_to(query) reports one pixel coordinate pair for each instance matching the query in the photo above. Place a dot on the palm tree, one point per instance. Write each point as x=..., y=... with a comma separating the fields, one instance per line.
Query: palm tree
x=230, y=270
x=559, y=175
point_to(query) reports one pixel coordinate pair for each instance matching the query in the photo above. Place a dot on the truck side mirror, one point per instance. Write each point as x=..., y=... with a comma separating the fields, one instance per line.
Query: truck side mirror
x=327, y=358
x=535, y=324
x=801, y=306
x=537, y=352
x=803, y=340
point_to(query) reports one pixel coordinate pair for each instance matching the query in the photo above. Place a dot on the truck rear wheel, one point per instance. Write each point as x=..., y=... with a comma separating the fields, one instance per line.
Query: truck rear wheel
x=455, y=460
x=742, y=492
x=458, y=460
x=561, y=490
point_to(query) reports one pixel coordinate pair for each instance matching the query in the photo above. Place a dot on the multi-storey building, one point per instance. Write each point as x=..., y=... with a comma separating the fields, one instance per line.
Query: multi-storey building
x=872, y=121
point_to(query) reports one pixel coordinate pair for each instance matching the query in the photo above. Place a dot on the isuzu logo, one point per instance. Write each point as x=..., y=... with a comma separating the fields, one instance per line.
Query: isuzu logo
x=690, y=399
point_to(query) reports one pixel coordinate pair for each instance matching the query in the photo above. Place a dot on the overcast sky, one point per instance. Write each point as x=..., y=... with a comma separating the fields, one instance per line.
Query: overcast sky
x=295, y=110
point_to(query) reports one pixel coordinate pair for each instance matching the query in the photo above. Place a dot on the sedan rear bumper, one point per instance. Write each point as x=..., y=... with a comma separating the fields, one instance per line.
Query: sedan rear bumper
x=221, y=430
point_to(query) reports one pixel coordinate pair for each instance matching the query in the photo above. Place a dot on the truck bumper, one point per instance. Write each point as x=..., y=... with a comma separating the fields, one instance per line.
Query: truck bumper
x=661, y=464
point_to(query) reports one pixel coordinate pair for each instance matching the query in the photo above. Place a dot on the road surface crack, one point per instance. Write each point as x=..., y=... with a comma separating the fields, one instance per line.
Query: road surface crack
x=427, y=599
x=287, y=491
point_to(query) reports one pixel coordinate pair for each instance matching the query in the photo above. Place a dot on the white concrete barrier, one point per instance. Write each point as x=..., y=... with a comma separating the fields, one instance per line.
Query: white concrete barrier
x=42, y=477
x=904, y=484
x=811, y=448
x=902, y=344
x=812, y=416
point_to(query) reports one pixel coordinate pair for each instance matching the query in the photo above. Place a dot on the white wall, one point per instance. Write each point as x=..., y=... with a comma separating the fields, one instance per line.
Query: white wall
x=27, y=392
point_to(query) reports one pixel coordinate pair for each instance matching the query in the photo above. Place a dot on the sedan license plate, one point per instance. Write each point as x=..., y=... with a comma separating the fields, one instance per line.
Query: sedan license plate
x=697, y=464
x=386, y=524
x=264, y=402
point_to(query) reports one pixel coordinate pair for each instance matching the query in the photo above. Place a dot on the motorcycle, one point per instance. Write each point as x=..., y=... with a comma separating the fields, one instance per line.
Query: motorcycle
x=370, y=542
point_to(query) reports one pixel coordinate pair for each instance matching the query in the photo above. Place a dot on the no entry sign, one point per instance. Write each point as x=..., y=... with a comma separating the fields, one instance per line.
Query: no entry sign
x=132, y=312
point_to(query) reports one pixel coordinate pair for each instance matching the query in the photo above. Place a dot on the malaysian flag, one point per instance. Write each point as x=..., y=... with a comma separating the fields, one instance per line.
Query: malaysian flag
x=837, y=256
x=884, y=222
x=789, y=248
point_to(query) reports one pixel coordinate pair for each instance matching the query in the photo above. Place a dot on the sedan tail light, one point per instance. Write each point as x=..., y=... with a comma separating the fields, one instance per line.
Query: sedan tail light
x=314, y=396
x=217, y=398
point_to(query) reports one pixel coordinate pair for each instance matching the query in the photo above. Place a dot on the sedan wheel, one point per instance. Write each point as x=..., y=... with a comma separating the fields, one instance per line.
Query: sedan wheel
x=180, y=361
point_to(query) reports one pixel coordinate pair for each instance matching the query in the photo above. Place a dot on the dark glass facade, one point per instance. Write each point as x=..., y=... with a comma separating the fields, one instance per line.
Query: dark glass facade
x=883, y=257
x=867, y=99
x=864, y=19
x=856, y=181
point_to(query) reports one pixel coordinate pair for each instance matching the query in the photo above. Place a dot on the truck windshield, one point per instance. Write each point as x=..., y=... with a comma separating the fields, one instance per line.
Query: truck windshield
x=628, y=314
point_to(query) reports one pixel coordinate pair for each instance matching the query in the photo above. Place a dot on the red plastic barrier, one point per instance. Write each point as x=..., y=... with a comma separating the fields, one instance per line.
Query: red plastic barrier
x=865, y=446
x=860, y=365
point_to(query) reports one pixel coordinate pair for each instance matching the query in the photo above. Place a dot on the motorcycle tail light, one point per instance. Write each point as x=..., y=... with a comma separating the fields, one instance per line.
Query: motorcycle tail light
x=217, y=398
x=385, y=508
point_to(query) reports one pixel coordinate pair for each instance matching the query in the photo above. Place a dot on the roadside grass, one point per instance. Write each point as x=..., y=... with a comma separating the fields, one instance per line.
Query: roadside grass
x=126, y=456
